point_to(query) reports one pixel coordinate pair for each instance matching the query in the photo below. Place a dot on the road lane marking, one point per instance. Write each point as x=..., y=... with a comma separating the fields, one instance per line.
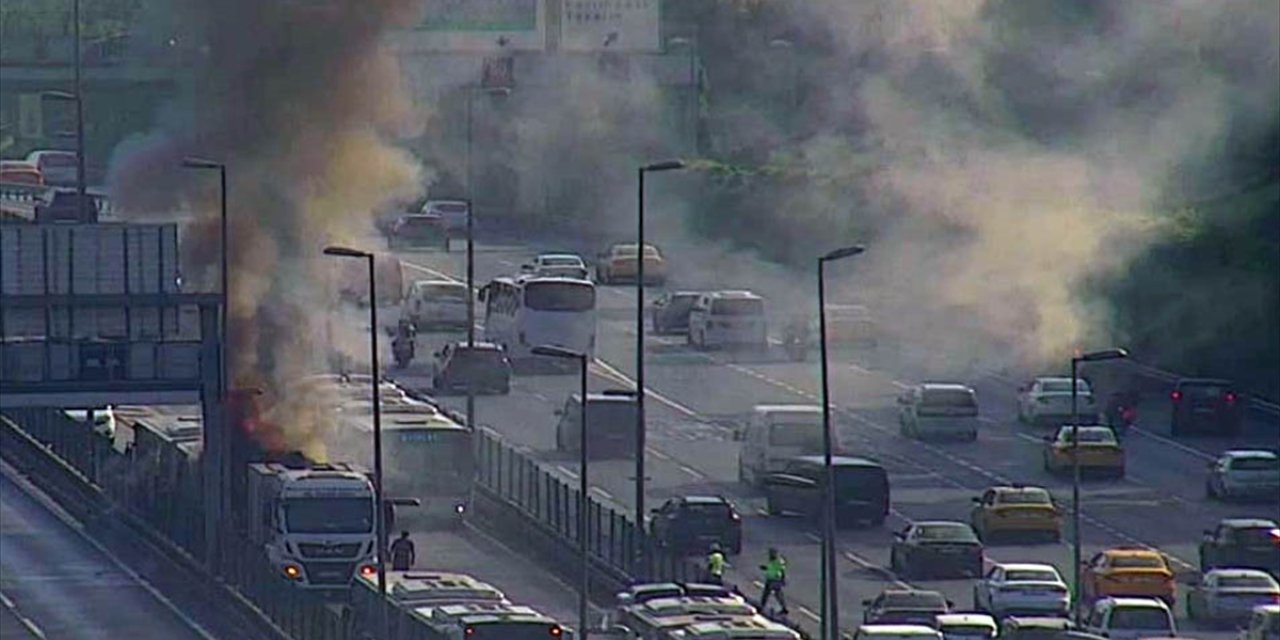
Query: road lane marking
x=989, y=474
x=1201, y=454
x=27, y=623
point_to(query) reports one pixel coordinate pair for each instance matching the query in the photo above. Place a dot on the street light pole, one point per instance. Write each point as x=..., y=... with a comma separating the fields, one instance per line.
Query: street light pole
x=583, y=487
x=830, y=588
x=223, y=454
x=1096, y=356
x=471, y=309
x=380, y=517
x=670, y=165
x=81, y=185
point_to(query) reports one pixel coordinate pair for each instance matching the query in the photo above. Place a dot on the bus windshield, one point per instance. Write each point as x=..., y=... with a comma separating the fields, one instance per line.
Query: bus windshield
x=430, y=461
x=560, y=296
x=328, y=515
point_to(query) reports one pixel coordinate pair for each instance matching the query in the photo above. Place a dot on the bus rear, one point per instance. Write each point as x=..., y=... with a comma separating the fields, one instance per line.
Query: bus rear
x=430, y=459
x=556, y=311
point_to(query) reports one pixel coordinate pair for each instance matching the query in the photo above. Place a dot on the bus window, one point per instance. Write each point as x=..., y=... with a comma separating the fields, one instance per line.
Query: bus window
x=559, y=296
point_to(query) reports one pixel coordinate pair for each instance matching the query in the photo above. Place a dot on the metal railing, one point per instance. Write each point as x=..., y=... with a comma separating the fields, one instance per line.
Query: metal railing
x=548, y=504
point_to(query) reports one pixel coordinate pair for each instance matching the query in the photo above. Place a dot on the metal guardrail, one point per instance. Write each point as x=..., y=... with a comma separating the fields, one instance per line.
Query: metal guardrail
x=152, y=488
x=550, y=504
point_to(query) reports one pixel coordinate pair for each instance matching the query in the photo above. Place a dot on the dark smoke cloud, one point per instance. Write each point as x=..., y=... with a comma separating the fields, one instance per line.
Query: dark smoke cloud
x=301, y=101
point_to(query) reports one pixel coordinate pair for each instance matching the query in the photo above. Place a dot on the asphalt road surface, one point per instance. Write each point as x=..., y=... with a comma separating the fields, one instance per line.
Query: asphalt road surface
x=695, y=398
x=55, y=584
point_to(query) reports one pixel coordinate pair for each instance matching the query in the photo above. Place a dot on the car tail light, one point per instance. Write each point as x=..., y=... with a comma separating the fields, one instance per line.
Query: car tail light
x=368, y=570
x=735, y=517
x=556, y=631
x=1176, y=396
x=1230, y=397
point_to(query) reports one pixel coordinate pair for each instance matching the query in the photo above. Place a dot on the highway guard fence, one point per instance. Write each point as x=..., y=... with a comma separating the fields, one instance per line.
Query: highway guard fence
x=519, y=496
x=152, y=486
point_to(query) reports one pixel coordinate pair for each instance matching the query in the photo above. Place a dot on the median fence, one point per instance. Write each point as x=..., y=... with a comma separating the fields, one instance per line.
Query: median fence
x=520, y=498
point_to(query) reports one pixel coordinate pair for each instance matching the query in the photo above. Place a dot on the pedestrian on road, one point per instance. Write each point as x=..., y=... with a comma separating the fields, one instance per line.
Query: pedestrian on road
x=403, y=554
x=775, y=578
x=716, y=564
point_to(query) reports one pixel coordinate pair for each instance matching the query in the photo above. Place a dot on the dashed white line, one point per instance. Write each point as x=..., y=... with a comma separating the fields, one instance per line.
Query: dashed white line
x=27, y=623
x=1203, y=455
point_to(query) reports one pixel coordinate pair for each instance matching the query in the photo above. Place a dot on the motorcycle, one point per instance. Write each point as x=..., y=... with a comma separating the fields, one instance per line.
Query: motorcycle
x=402, y=349
x=1122, y=416
x=797, y=348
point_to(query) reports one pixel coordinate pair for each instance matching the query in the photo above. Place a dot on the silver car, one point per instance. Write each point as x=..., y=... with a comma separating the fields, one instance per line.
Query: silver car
x=1022, y=589
x=1243, y=473
x=1230, y=595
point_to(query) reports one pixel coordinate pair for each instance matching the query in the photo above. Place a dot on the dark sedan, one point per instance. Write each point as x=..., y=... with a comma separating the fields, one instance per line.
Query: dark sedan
x=936, y=547
x=480, y=367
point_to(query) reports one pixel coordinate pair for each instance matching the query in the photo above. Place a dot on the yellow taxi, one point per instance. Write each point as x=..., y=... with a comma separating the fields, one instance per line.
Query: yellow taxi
x=1019, y=510
x=1129, y=571
x=1098, y=449
x=618, y=264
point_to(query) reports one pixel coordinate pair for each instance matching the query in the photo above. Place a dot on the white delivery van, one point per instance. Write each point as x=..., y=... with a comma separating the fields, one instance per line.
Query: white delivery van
x=776, y=433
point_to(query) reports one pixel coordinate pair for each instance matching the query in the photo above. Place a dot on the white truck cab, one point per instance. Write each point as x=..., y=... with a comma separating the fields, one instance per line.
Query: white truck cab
x=315, y=524
x=776, y=433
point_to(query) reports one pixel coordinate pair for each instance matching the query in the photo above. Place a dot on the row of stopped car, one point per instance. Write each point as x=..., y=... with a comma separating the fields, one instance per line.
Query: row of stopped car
x=684, y=611
x=1203, y=406
x=438, y=605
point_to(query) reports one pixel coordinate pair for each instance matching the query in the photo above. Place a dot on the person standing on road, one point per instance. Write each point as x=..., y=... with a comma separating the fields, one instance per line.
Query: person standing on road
x=403, y=554
x=716, y=564
x=775, y=577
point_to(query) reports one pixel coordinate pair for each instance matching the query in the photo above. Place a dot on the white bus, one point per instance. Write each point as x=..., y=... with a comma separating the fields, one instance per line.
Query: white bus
x=426, y=456
x=528, y=311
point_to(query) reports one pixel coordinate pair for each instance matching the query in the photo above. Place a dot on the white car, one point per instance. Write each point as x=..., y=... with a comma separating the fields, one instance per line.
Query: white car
x=436, y=303
x=1244, y=473
x=728, y=318
x=1264, y=624
x=1047, y=400
x=1022, y=589
x=1131, y=619
x=967, y=626
x=58, y=167
x=453, y=213
x=1230, y=595
x=557, y=265
x=939, y=410
x=897, y=632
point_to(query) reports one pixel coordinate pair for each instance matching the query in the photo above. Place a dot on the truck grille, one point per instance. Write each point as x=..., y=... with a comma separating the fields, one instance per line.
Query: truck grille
x=336, y=573
x=318, y=550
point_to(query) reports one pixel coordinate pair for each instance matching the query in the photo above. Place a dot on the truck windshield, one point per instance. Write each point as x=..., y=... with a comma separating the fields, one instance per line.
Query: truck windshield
x=329, y=515
x=560, y=296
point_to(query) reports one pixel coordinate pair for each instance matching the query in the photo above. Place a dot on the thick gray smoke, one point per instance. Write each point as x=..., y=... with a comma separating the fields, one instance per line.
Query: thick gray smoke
x=302, y=103
x=1005, y=153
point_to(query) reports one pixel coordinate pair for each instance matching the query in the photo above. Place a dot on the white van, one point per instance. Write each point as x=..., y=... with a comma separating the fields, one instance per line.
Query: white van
x=896, y=632
x=436, y=303
x=1264, y=624
x=1131, y=619
x=939, y=410
x=776, y=433
x=727, y=318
